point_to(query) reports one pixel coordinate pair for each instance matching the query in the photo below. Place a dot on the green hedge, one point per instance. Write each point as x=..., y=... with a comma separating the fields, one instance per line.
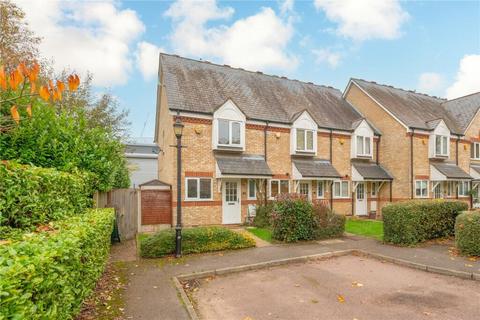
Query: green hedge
x=31, y=195
x=194, y=240
x=329, y=223
x=467, y=233
x=411, y=222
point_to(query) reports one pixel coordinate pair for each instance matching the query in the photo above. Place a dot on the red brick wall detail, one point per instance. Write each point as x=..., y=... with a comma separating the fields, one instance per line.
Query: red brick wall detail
x=198, y=174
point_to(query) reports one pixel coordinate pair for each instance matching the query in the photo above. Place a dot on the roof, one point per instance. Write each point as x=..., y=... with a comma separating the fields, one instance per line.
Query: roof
x=372, y=171
x=200, y=86
x=142, y=148
x=415, y=110
x=476, y=168
x=154, y=182
x=251, y=165
x=315, y=168
x=463, y=109
x=450, y=170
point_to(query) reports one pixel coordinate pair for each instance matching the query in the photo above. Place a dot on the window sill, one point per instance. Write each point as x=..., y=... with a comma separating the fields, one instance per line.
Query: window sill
x=363, y=156
x=195, y=199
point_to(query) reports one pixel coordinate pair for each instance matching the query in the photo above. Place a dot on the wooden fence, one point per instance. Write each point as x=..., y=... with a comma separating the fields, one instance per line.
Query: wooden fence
x=125, y=203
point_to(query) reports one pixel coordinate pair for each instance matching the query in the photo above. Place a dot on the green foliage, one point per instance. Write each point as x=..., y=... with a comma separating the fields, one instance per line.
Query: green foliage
x=364, y=227
x=467, y=233
x=30, y=195
x=263, y=215
x=48, y=274
x=194, y=240
x=64, y=140
x=262, y=233
x=293, y=219
x=329, y=224
x=412, y=222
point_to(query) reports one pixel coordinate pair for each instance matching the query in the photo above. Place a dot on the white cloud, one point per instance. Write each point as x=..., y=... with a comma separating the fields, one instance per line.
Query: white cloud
x=146, y=59
x=286, y=6
x=468, y=77
x=327, y=56
x=430, y=82
x=86, y=36
x=364, y=20
x=255, y=42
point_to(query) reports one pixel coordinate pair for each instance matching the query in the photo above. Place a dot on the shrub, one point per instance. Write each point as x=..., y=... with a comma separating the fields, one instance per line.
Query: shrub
x=412, y=222
x=467, y=233
x=329, y=224
x=194, y=240
x=48, y=274
x=293, y=219
x=31, y=195
x=263, y=216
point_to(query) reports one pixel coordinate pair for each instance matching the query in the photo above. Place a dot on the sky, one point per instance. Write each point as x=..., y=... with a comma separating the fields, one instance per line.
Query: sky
x=429, y=46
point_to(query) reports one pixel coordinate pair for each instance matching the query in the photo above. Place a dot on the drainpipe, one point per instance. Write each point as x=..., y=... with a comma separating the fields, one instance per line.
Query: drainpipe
x=378, y=149
x=331, y=162
x=265, y=133
x=411, y=163
x=456, y=150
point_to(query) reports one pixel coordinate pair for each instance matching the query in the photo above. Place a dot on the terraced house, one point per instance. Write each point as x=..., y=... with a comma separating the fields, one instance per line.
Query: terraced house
x=355, y=151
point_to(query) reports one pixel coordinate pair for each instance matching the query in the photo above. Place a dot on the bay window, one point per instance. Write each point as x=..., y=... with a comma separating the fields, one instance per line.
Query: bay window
x=364, y=146
x=305, y=140
x=441, y=145
x=463, y=188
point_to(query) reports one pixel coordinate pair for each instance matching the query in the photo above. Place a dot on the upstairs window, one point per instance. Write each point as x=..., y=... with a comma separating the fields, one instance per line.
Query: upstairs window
x=305, y=140
x=475, y=151
x=441, y=146
x=229, y=133
x=364, y=146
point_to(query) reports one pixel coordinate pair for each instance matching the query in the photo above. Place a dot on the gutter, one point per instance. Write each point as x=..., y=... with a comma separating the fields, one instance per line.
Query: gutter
x=411, y=163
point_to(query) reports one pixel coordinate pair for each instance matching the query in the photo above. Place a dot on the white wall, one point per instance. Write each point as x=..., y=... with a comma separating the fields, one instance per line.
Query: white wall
x=142, y=170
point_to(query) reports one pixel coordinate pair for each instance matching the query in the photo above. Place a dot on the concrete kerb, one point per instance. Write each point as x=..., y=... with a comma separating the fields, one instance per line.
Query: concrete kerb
x=273, y=263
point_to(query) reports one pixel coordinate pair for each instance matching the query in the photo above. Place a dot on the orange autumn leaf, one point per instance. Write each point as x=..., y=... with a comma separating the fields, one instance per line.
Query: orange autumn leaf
x=44, y=93
x=15, y=79
x=29, y=110
x=59, y=94
x=33, y=74
x=15, y=114
x=60, y=85
x=22, y=68
x=50, y=85
x=33, y=87
x=56, y=95
x=73, y=82
x=3, y=80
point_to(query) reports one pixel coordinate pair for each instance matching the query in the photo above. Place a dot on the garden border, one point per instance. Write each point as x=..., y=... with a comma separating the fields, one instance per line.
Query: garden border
x=274, y=263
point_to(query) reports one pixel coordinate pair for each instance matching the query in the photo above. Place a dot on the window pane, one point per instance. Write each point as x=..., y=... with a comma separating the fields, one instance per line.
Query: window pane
x=477, y=150
x=367, y=145
x=309, y=140
x=300, y=139
x=205, y=188
x=274, y=188
x=192, y=188
x=251, y=188
x=304, y=188
x=236, y=133
x=445, y=145
x=344, y=189
x=336, y=189
x=223, y=132
x=320, y=189
x=438, y=144
x=424, y=188
x=374, y=189
x=359, y=145
x=284, y=186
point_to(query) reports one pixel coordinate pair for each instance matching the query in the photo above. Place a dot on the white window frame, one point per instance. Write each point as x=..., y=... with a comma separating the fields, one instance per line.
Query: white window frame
x=449, y=189
x=230, y=136
x=364, y=143
x=373, y=191
x=342, y=183
x=197, y=198
x=443, y=139
x=463, y=188
x=322, y=184
x=279, y=187
x=305, y=140
x=421, y=196
x=475, y=150
x=254, y=187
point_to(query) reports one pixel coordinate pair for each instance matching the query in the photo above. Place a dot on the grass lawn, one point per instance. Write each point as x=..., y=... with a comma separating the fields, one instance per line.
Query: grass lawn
x=262, y=233
x=368, y=228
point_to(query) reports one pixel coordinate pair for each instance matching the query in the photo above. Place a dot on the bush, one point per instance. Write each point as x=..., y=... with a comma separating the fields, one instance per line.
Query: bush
x=48, y=274
x=194, y=240
x=293, y=219
x=31, y=195
x=263, y=216
x=329, y=224
x=467, y=233
x=412, y=222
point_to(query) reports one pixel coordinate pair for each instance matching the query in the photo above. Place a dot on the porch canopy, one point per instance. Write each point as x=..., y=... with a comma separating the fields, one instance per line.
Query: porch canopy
x=369, y=172
x=242, y=166
x=475, y=172
x=447, y=172
x=313, y=169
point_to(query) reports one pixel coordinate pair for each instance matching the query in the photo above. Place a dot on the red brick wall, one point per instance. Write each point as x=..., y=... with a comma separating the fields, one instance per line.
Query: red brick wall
x=156, y=207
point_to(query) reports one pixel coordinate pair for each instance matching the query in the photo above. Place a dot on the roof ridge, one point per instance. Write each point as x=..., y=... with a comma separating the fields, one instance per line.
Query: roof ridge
x=397, y=88
x=467, y=95
x=251, y=71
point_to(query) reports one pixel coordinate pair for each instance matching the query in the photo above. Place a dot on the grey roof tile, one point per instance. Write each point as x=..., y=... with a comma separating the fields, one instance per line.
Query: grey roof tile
x=372, y=171
x=316, y=168
x=155, y=182
x=463, y=109
x=199, y=86
x=251, y=165
x=450, y=170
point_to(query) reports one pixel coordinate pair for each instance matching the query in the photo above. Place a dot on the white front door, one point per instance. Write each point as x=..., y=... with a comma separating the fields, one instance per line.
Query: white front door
x=361, y=201
x=231, y=202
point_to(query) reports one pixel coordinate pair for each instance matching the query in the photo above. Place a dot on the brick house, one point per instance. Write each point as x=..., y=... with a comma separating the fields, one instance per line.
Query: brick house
x=246, y=129
x=430, y=145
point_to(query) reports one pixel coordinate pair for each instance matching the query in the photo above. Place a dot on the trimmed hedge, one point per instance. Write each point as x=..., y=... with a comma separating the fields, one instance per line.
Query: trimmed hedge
x=48, y=274
x=411, y=222
x=194, y=240
x=31, y=195
x=329, y=223
x=467, y=233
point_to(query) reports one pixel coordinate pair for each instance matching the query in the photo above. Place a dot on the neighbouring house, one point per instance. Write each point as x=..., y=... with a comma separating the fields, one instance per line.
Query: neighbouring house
x=142, y=158
x=244, y=130
x=430, y=145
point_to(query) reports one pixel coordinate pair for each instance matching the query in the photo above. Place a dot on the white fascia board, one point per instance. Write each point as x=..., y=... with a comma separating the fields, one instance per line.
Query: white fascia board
x=356, y=176
x=436, y=175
